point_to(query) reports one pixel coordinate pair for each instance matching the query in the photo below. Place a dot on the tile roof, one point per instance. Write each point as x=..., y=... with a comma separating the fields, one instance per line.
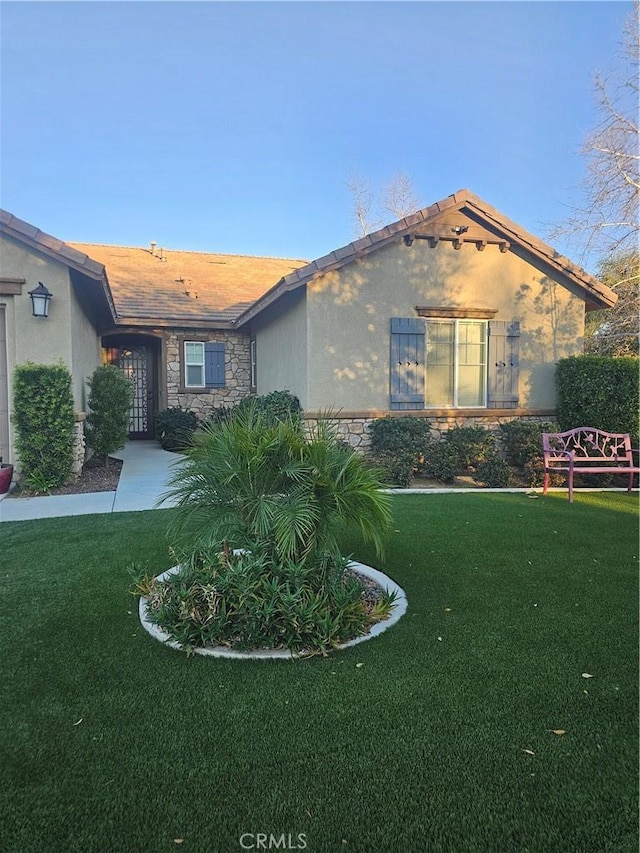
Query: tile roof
x=169, y=286
x=597, y=295
x=48, y=245
x=153, y=286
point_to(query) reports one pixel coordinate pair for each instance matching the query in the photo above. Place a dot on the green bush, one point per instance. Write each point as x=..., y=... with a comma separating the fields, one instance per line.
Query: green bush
x=408, y=433
x=44, y=420
x=493, y=472
x=245, y=602
x=599, y=391
x=273, y=489
x=441, y=462
x=276, y=406
x=472, y=445
x=268, y=487
x=174, y=428
x=396, y=466
x=398, y=445
x=522, y=445
x=522, y=442
x=110, y=398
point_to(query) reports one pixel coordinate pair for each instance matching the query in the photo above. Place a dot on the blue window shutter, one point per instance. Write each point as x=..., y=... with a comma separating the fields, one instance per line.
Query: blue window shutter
x=407, y=363
x=214, y=365
x=504, y=347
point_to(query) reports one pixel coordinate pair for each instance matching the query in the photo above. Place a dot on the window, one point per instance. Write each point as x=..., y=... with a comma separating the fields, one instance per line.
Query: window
x=456, y=364
x=194, y=364
x=204, y=364
x=448, y=363
x=253, y=364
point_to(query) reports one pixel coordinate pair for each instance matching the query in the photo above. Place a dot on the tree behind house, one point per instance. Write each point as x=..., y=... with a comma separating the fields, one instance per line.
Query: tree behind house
x=110, y=398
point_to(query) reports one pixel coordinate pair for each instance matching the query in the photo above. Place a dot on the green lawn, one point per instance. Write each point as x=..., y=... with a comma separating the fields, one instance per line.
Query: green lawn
x=441, y=741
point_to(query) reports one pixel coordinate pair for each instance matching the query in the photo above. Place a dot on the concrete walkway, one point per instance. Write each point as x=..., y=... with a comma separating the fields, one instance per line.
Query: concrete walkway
x=143, y=479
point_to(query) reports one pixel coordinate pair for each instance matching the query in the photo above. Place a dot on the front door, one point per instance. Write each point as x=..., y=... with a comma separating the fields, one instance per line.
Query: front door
x=137, y=363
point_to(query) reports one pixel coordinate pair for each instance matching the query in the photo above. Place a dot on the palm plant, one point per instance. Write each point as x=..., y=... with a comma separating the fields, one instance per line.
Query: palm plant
x=270, y=488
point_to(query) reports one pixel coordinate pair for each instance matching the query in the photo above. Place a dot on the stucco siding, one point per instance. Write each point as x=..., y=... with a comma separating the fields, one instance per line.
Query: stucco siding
x=349, y=315
x=85, y=352
x=36, y=339
x=66, y=336
x=282, y=349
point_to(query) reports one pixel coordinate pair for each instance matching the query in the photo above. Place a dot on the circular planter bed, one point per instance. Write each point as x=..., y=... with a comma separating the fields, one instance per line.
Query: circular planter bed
x=399, y=609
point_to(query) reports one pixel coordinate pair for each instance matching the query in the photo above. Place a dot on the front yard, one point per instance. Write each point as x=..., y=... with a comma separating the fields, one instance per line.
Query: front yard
x=499, y=714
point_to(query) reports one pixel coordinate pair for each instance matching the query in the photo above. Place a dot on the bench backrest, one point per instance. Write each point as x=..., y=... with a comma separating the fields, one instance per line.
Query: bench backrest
x=587, y=445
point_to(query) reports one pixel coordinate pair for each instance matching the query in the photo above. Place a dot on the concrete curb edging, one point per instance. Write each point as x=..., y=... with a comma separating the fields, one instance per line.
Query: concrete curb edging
x=399, y=609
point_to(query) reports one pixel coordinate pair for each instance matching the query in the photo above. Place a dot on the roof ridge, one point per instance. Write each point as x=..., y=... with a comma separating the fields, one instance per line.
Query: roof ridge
x=187, y=251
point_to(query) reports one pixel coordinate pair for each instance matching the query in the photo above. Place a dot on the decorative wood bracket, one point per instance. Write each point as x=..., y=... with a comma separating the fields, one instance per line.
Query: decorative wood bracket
x=457, y=236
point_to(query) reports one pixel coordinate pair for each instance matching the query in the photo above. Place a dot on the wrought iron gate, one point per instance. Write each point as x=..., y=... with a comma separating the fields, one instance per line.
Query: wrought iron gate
x=136, y=362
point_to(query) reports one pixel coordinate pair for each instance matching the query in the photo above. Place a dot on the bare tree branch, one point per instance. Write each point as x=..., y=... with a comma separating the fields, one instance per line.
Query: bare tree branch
x=362, y=201
x=609, y=222
x=398, y=198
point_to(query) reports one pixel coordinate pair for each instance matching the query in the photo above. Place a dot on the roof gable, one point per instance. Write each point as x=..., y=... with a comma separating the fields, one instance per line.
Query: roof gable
x=49, y=246
x=441, y=221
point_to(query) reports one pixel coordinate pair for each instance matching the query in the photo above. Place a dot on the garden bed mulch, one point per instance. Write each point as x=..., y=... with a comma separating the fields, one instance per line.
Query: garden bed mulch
x=95, y=477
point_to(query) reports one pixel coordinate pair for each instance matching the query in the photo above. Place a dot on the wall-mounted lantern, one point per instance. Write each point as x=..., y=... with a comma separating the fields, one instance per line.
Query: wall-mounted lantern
x=40, y=299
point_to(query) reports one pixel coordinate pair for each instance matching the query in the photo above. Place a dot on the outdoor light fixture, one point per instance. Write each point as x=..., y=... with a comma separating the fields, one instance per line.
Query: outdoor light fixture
x=40, y=299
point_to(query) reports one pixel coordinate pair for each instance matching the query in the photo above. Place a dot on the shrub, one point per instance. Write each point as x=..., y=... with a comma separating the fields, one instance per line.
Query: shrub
x=396, y=466
x=274, y=407
x=219, y=414
x=599, y=391
x=493, y=472
x=522, y=442
x=110, y=398
x=441, y=462
x=43, y=418
x=398, y=446
x=407, y=433
x=174, y=428
x=245, y=602
x=472, y=445
x=268, y=488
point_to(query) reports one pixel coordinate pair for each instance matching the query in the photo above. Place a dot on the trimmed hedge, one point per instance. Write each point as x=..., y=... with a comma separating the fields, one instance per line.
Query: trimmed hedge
x=398, y=446
x=44, y=420
x=276, y=406
x=110, y=398
x=599, y=391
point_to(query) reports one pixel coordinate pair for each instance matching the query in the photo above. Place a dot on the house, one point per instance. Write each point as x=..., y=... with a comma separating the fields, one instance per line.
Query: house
x=455, y=314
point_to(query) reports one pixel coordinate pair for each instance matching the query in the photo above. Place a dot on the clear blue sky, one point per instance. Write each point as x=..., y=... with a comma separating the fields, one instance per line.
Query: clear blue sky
x=234, y=127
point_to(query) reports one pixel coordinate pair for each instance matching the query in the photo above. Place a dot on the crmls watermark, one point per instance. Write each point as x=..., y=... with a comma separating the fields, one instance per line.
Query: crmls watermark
x=268, y=841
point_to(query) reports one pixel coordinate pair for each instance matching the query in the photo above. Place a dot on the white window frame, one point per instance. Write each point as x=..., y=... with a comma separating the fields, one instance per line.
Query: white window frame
x=456, y=361
x=188, y=364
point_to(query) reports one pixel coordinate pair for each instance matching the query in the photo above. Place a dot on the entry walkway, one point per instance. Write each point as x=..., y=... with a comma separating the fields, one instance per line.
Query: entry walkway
x=145, y=473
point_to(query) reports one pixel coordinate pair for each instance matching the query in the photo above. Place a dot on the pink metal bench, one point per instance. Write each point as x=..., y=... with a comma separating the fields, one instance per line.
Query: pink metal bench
x=587, y=451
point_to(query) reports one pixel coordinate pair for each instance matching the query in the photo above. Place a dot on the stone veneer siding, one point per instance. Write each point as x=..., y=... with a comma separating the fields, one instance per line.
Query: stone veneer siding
x=236, y=368
x=355, y=430
x=79, y=446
